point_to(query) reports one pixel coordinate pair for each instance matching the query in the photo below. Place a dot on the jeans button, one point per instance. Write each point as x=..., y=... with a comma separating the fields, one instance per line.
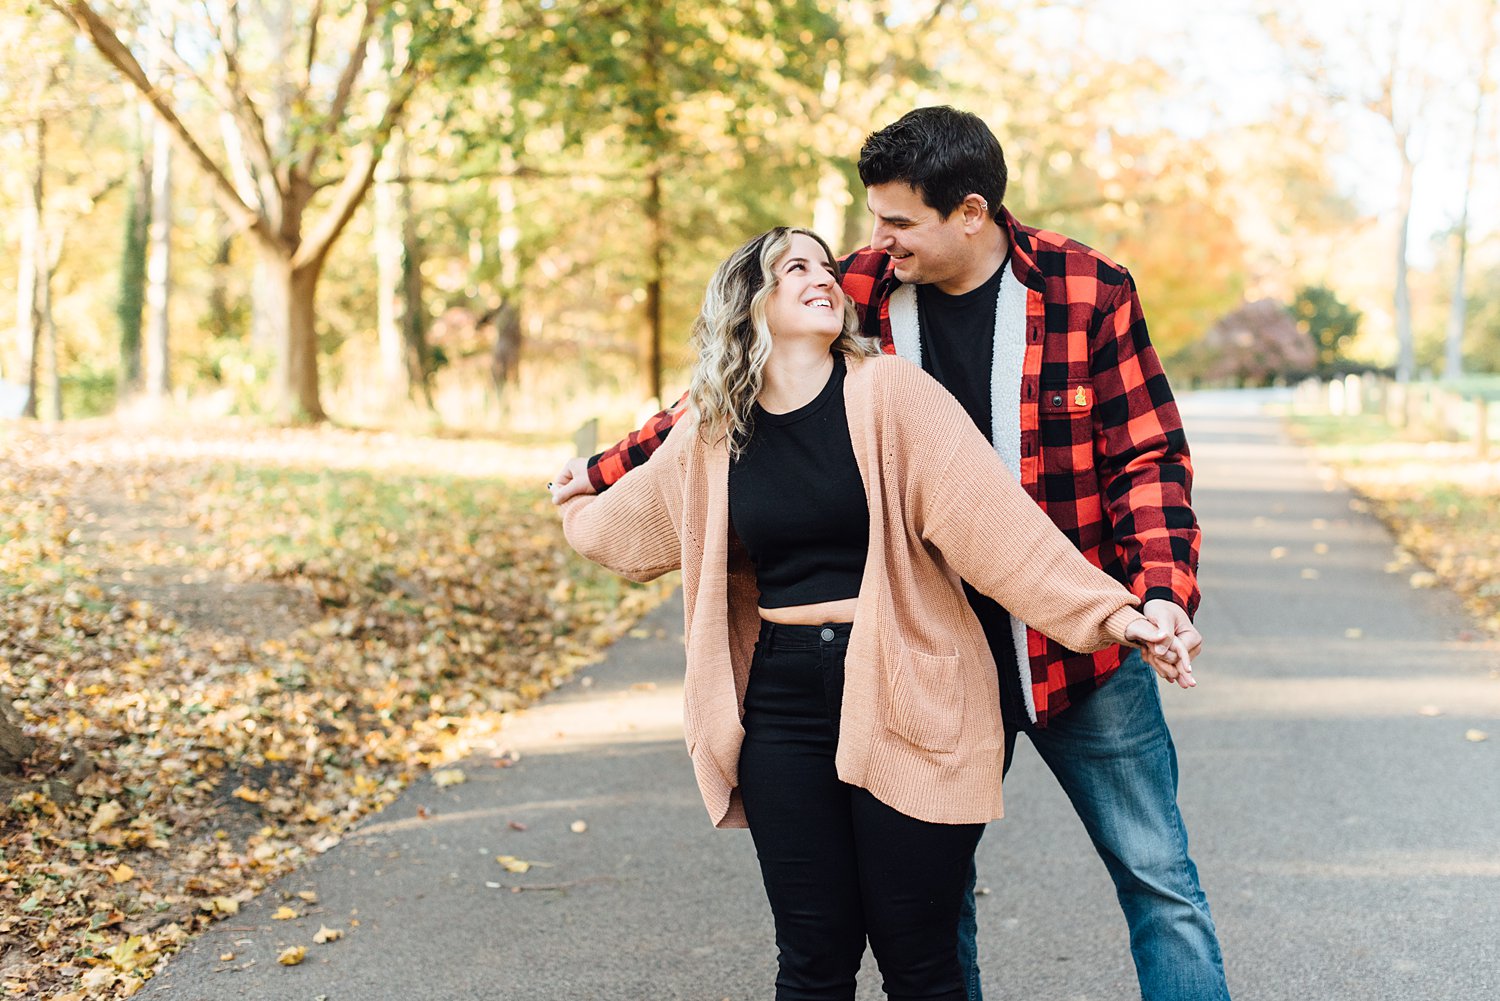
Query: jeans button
x=827, y=635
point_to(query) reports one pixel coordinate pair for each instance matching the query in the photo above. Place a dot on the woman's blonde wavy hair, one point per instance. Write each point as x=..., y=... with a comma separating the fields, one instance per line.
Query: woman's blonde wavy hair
x=734, y=340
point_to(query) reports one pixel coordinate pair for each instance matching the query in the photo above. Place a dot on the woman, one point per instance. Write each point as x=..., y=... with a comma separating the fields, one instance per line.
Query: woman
x=840, y=699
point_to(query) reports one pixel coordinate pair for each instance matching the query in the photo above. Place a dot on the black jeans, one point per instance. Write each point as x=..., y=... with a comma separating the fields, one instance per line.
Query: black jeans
x=839, y=865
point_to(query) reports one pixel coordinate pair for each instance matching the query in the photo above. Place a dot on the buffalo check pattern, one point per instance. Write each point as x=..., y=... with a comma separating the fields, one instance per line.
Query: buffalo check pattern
x=1102, y=446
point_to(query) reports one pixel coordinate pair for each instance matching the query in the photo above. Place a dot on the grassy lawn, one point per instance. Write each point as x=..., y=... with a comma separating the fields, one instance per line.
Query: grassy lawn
x=232, y=643
x=1441, y=501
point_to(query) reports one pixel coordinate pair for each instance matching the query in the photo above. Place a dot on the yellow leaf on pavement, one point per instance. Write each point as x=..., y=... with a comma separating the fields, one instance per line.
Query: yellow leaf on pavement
x=284, y=913
x=292, y=955
x=1476, y=736
x=449, y=777
x=513, y=864
x=327, y=934
x=122, y=873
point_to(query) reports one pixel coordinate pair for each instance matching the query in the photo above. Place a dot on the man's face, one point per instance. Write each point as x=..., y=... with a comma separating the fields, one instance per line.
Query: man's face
x=925, y=248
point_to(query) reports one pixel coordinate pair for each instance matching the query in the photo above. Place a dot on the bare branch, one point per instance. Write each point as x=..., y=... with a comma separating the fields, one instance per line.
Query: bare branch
x=345, y=88
x=241, y=105
x=92, y=27
x=359, y=177
x=312, y=45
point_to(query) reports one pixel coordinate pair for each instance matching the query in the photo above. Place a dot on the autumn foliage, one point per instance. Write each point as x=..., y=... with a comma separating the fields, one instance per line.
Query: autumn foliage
x=229, y=644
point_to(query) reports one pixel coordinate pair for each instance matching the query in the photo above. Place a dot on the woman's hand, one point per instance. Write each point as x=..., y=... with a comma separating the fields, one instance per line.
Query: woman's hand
x=1163, y=650
x=571, y=480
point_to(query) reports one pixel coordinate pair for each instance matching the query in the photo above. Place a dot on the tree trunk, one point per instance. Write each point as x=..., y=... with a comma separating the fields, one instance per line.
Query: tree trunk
x=414, y=309
x=1405, y=353
x=1453, y=354
x=830, y=207
x=132, y=297
x=656, y=263
x=220, y=322
x=15, y=746
x=33, y=268
x=395, y=379
x=158, y=381
x=291, y=296
x=48, y=331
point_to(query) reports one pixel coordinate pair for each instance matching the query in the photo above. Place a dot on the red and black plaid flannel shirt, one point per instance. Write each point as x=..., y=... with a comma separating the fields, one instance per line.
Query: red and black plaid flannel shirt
x=1102, y=446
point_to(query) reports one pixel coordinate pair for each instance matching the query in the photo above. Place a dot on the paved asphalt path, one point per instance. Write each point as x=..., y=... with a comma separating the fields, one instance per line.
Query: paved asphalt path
x=1347, y=832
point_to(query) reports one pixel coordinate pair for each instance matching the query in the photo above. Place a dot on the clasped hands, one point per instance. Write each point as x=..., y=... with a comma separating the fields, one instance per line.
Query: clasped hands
x=1170, y=643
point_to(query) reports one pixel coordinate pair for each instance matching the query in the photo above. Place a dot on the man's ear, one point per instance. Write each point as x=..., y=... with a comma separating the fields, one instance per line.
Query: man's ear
x=976, y=212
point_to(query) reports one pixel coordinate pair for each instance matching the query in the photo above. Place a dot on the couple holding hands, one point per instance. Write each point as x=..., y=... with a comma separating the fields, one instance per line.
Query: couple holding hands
x=892, y=566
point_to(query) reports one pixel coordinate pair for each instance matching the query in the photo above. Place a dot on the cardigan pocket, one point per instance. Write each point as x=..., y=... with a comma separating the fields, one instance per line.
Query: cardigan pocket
x=927, y=700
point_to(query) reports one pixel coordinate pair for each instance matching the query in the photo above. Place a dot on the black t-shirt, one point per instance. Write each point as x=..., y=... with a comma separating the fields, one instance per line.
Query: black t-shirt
x=958, y=350
x=797, y=502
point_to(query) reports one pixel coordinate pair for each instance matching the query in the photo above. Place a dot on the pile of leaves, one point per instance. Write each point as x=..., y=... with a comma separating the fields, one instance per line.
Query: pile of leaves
x=230, y=643
x=1438, y=498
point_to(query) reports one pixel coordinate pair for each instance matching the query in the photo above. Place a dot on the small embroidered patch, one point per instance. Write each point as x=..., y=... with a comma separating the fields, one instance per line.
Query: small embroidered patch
x=1081, y=397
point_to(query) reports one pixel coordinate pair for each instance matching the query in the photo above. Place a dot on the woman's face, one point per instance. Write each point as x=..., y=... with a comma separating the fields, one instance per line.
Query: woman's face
x=807, y=300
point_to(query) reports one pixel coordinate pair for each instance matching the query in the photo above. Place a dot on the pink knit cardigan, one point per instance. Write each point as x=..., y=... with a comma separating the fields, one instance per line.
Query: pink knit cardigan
x=920, y=725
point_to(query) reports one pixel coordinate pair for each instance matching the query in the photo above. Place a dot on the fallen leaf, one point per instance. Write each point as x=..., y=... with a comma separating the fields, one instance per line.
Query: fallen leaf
x=515, y=825
x=1476, y=736
x=223, y=905
x=310, y=896
x=327, y=934
x=449, y=777
x=1423, y=579
x=578, y=826
x=226, y=957
x=99, y=978
x=284, y=913
x=122, y=873
x=1278, y=552
x=513, y=864
x=106, y=816
x=292, y=955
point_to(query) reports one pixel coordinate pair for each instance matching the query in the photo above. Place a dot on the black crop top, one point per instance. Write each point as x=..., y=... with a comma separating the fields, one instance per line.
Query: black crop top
x=797, y=502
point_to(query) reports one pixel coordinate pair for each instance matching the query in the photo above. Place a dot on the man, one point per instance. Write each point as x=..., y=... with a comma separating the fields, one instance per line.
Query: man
x=1043, y=342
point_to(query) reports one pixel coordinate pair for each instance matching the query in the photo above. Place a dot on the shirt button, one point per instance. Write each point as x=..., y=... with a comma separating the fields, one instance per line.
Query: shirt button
x=1057, y=401
x=827, y=635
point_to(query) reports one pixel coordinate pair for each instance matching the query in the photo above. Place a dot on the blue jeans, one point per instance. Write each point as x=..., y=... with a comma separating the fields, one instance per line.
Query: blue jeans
x=1114, y=758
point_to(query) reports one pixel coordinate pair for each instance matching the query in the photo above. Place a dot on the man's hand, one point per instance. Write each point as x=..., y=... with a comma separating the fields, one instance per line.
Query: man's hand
x=571, y=480
x=1172, y=660
x=1157, y=645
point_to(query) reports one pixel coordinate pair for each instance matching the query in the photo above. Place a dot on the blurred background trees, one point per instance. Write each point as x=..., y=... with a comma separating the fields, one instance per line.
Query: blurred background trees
x=503, y=215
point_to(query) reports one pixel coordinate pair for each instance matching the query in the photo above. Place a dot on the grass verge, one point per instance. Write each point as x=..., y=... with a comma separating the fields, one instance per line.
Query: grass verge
x=1439, y=499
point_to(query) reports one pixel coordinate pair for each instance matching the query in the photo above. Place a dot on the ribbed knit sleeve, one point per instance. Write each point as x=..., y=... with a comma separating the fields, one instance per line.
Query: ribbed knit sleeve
x=632, y=528
x=967, y=504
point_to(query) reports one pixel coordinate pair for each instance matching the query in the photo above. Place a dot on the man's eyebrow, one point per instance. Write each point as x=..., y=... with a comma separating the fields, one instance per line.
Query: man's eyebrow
x=888, y=218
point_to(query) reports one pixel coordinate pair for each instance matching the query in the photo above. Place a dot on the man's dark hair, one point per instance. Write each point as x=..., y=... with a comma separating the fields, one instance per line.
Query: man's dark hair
x=941, y=152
